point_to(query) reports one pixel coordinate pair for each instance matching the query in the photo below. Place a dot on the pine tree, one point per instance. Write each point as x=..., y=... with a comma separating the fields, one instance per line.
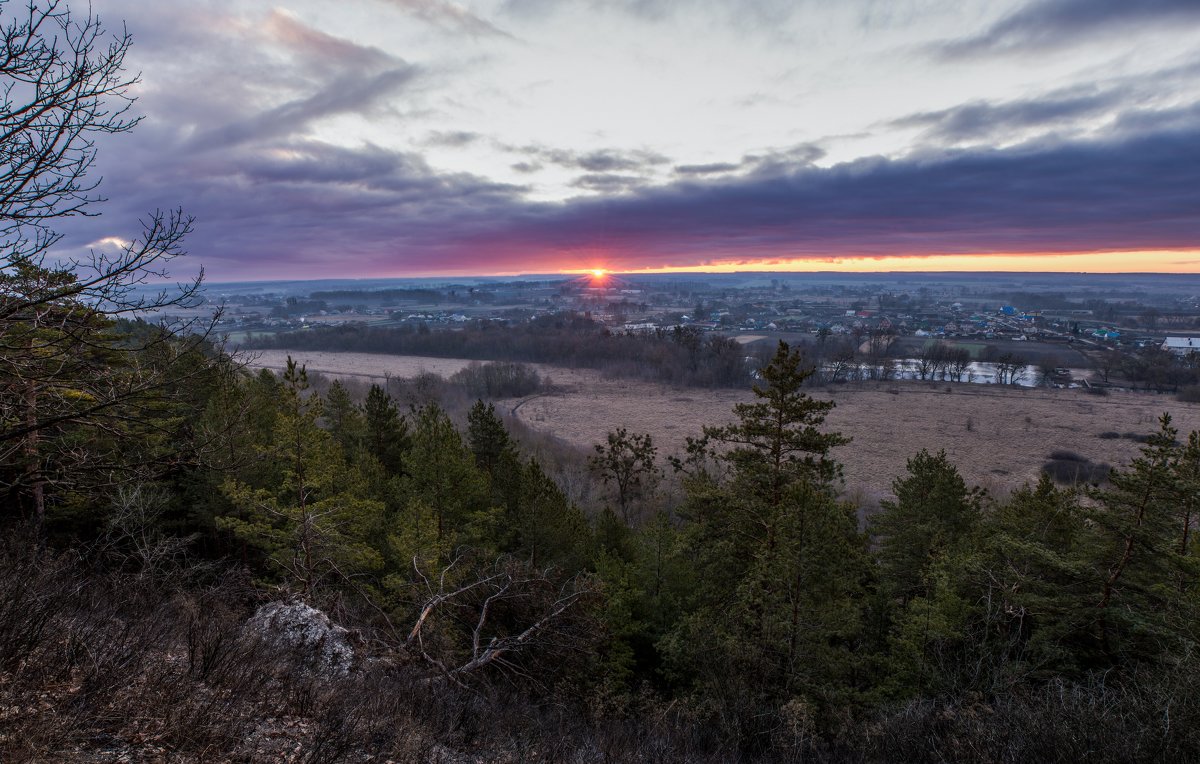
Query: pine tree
x=777, y=440
x=932, y=516
x=496, y=456
x=441, y=481
x=489, y=440
x=549, y=529
x=1186, y=470
x=345, y=421
x=88, y=394
x=387, y=431
x=1033, y=578
x=1136, y=553
x=313, y=521
x=780, y=565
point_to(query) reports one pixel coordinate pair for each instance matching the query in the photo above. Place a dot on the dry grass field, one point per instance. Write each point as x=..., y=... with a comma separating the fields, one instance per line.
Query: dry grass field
x=377, y=366
x=998, y=437
x=367, y=365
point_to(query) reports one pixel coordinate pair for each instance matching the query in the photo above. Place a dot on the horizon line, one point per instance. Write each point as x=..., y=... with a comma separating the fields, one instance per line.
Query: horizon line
x=567, y=275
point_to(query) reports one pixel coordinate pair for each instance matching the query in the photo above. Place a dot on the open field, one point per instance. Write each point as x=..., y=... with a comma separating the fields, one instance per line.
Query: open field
x=367, y=365
x=999, y=437
x=378, y=366
x=371, y=365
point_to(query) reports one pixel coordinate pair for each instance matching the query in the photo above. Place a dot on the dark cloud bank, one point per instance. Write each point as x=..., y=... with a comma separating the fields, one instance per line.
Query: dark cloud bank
x=325, y=210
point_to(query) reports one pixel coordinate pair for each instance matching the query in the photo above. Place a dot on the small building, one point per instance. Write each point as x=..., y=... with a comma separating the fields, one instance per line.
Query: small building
x=1181, y=345
x=641, y=328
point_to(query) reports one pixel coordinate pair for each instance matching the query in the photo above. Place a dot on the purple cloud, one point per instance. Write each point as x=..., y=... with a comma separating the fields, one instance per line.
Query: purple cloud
x=321, y=210
x=1045, y=23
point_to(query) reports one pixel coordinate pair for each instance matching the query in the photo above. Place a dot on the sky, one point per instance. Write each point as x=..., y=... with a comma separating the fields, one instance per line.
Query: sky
x=377, y=138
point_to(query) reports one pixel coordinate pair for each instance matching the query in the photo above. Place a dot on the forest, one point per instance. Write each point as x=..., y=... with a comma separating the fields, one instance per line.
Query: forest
x=200, y=563
x=756, y=618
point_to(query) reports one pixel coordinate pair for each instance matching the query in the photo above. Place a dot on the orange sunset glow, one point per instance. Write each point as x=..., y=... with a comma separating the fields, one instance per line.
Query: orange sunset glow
x=1155, y=261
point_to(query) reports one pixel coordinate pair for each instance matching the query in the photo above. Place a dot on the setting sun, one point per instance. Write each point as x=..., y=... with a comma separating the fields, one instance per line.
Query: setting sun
x=599, y=273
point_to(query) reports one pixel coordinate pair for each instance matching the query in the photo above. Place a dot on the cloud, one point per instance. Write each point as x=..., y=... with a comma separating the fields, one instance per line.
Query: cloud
x=607, y=182
x=240, y=135
x=313, y=162
x=761, y=14
x=779, y=159
x=646, y=9
x=765, y=162
x=1139, y=121
x=1069, y=197
x=448, y=15
x=110, y=242
x=321, y=49
x=220, y=79
x=451, y=138
x=1047, y=23
x=712, y=168
x=606, y=161
x=596, y=161
x=983, y=119
x=307, y=209
x=348, y=94
x=1141, y=103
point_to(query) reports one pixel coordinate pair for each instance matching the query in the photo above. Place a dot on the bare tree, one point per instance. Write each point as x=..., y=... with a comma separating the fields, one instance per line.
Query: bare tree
x=497, y=619
x=64, y=359
x=627, y=461
x=1047, y=369
x=842, y=363
x=879, y=366
x=64, y=82
x=1107, y=361
x=925, y=365
x=1010, y=369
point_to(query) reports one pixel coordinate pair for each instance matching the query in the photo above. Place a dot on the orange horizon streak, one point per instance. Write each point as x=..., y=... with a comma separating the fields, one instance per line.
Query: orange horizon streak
x=1140, y=261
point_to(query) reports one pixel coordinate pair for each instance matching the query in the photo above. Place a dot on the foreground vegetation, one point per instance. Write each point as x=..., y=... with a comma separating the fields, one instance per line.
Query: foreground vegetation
x=753, y=619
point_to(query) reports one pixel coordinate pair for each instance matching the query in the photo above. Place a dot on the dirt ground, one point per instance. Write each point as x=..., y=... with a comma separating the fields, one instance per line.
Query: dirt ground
x=998, y=437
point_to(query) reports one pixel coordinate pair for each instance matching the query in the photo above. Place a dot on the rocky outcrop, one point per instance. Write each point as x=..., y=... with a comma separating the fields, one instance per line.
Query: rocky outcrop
x=306, y=633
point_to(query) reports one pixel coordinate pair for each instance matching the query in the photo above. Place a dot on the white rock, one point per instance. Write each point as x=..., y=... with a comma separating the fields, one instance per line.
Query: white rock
x=306, y=631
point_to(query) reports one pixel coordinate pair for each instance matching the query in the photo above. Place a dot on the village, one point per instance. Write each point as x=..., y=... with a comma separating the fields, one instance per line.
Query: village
x=1080, y=331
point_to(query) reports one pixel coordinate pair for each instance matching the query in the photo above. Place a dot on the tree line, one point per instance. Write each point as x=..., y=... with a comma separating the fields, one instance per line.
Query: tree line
x=681, y=355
